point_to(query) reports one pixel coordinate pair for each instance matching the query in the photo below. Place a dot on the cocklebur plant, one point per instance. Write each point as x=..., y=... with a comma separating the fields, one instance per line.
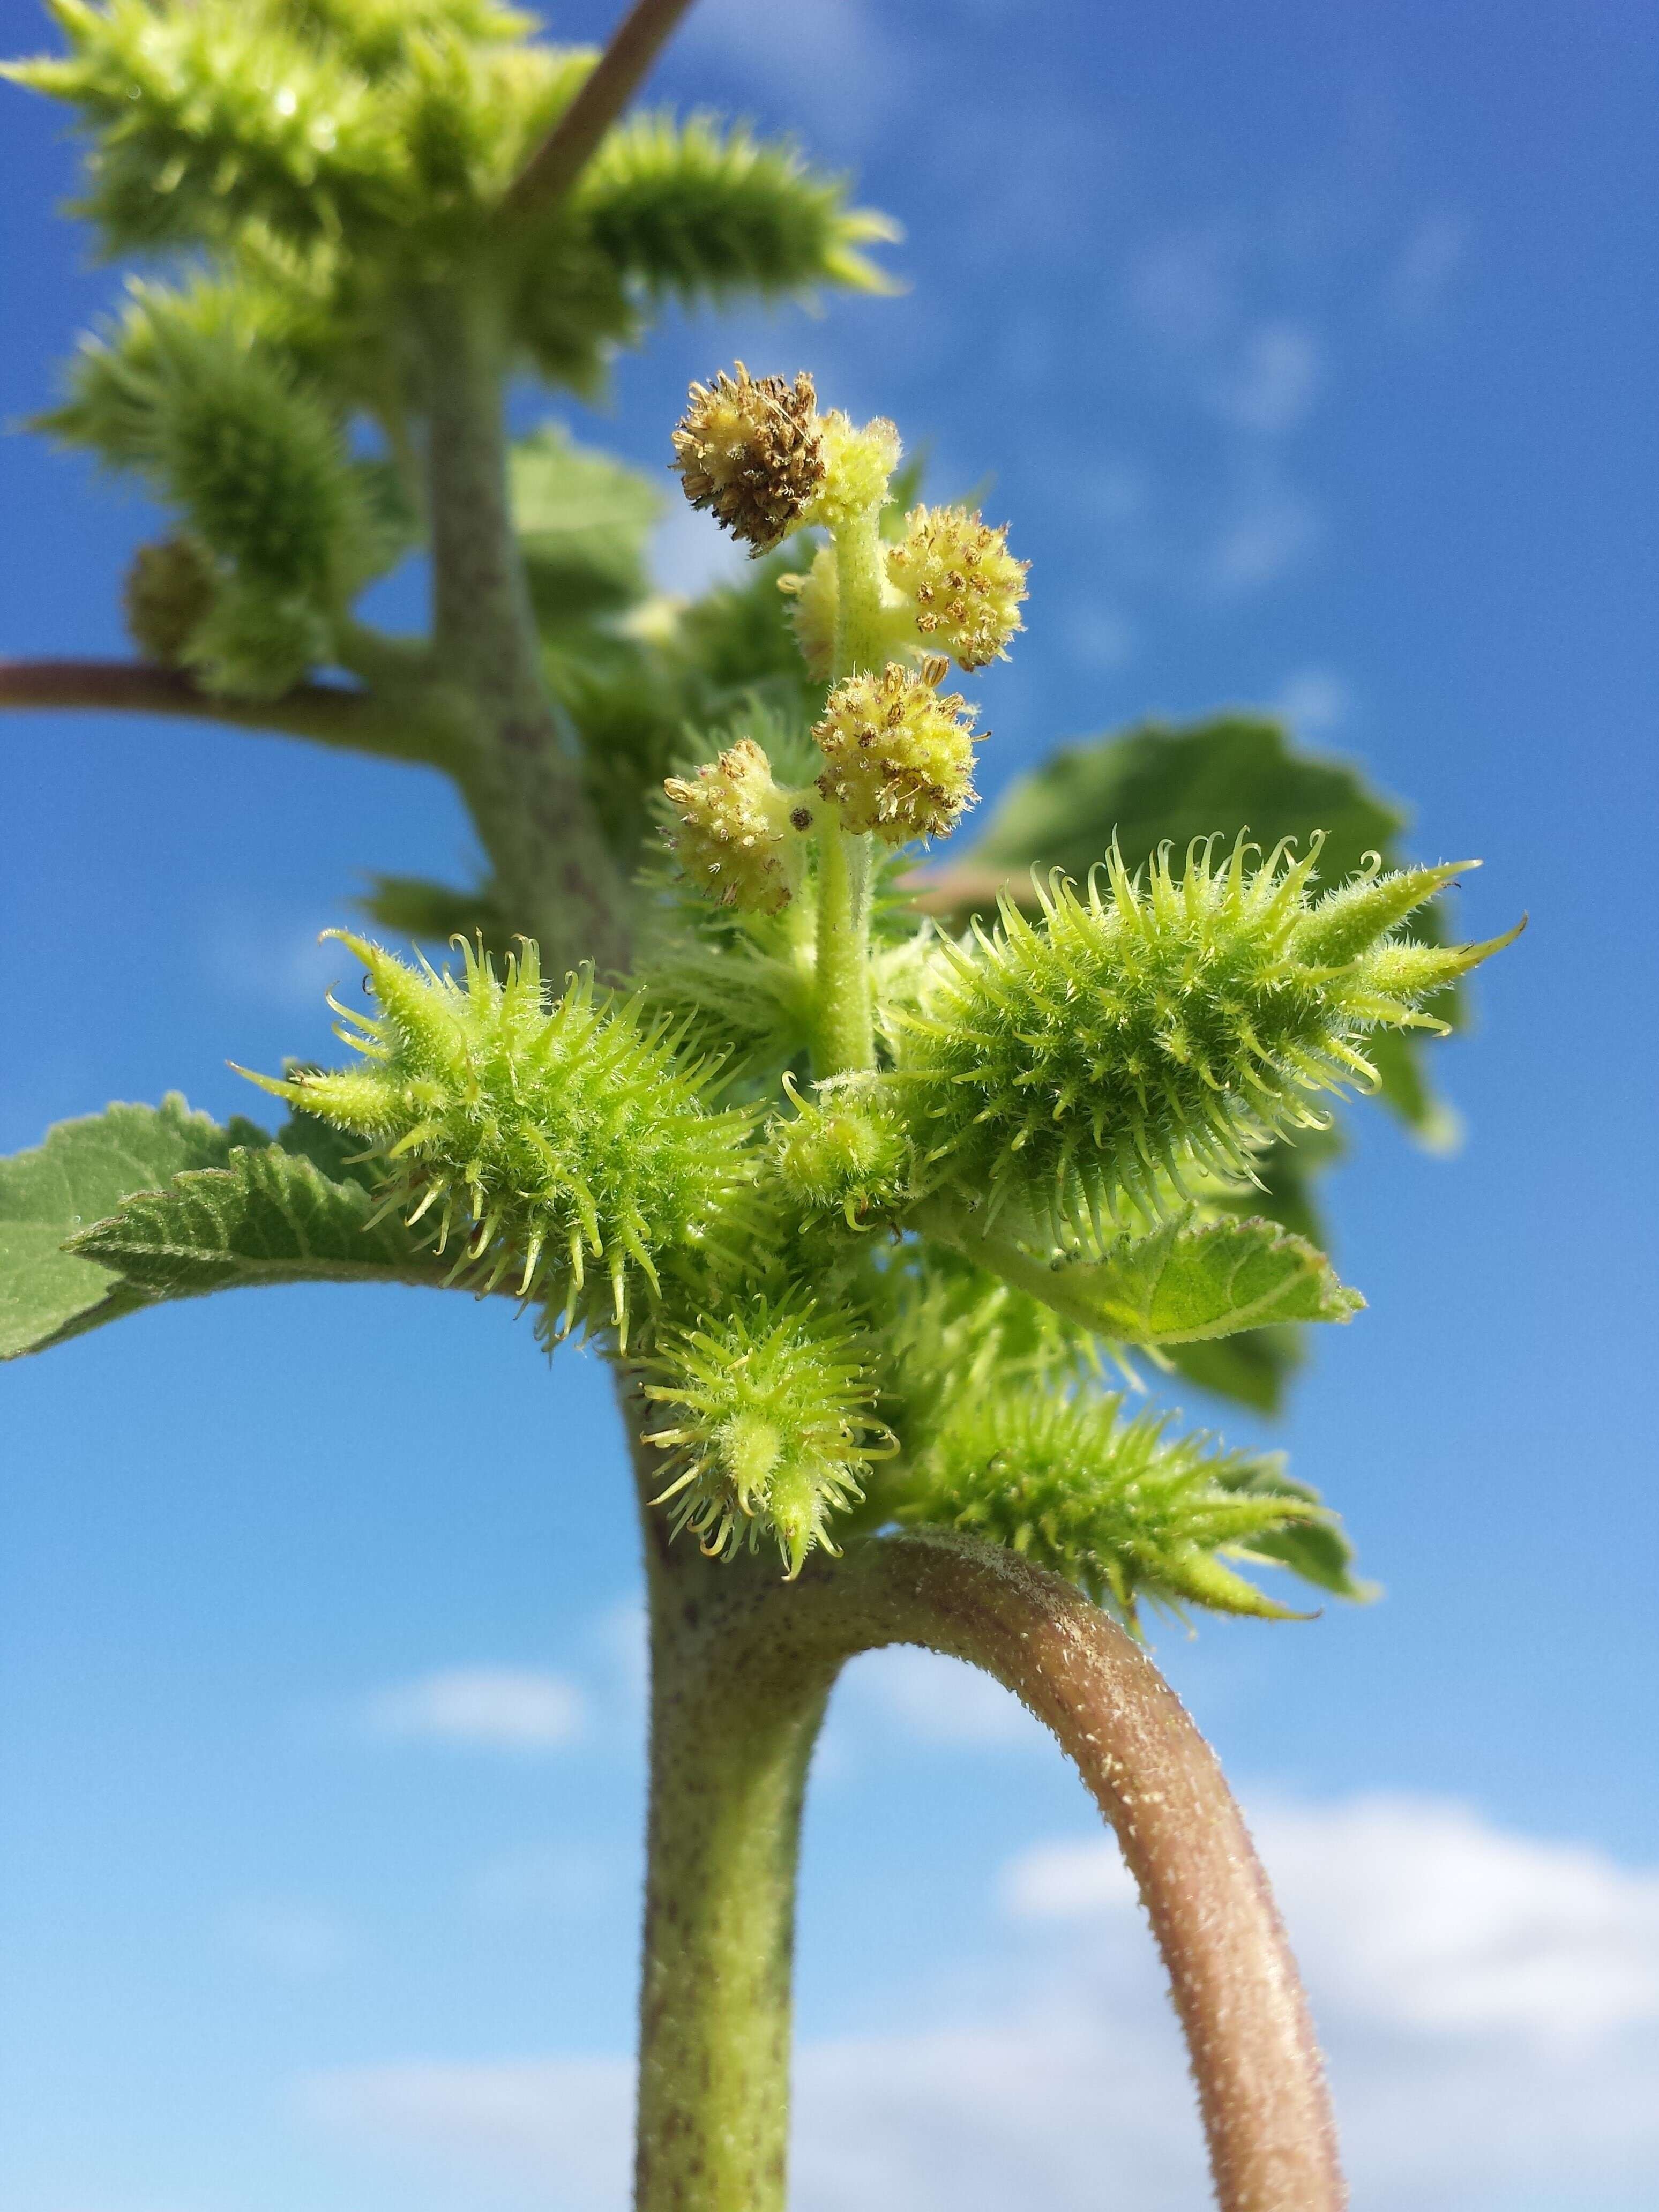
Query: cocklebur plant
x=884, y=1187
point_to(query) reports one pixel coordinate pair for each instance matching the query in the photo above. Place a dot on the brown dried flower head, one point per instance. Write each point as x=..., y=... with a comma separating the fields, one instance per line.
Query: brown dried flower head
x=731, y=838
x=961, y=584
x=748, y=448
x=900, y=759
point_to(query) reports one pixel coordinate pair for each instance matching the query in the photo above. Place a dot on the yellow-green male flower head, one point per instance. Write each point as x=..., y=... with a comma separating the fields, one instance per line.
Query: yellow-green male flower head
x=899, y=759
x=857, y=466
x=771, y=1426
x=732, y=836
x=749, y=448
x=961, y=583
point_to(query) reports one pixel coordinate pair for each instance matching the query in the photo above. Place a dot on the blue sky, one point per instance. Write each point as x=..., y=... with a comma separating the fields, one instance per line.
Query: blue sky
x=1312, y=355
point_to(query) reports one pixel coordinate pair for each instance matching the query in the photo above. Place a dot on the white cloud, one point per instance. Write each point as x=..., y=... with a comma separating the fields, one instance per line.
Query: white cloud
x=941, y=1700
x=1313, y=700
x=1063, y=1882
x=1488, y=1999
x=1273, y=382
x=1417, y=1914
x=491, y=1708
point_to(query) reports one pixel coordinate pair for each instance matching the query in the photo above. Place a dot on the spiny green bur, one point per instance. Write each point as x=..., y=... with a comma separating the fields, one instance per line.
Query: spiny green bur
x=1153, y=1031
x=771, y=1406
x=848, y=1152
x=1113, y=1503
x=550, y=1140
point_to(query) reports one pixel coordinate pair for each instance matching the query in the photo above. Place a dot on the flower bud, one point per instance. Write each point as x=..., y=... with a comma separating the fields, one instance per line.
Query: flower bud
x=811, y=613
x=961, y=584
x=857, y=464
x=749, y=449
x=900, y=758
x=168, y=593
x=848, y=1153
x=733, y=831
x=771, y=1425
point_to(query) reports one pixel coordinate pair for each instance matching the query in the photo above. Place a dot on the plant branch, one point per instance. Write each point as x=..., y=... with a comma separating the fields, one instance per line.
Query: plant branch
x=1261, y=2091
x=329, y=714
x=559, y=159
x=524, y=784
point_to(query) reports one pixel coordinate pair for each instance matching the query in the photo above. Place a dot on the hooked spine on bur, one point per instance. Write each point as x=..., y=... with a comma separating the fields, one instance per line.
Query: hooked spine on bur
x=771, y=1425
x=1111, y=1501
x=1155, y=1030
x=544, y=1134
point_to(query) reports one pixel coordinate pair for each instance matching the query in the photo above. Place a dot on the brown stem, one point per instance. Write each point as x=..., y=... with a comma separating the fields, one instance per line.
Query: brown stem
x=559, y=159
x=1261, y=2087
x=329, y=714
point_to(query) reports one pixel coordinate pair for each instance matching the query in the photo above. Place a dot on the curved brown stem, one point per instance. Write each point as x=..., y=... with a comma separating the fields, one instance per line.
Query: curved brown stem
x=559, y=159
x=1261, y=2085
x=329, y=714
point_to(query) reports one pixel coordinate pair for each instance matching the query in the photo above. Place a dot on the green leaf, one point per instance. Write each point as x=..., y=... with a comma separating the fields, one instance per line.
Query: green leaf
x=1187, y=1282
x=1232, y=772
x=583, y=520
x=1252, y=1370
x=269, y=1215
x=1317, y=1549
x=80, y=1175
x=138, y=1204
x=411, y=906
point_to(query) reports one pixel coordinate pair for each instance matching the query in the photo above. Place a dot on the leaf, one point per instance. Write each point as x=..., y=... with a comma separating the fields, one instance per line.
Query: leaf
x=125, y=1208
x=583, y=520
x=1253, y=1369
x=1318, y=1549
x=412, y=907
x=1187, y=1282
x=1232, y=772
x=268, y=1216
x=80, y=1175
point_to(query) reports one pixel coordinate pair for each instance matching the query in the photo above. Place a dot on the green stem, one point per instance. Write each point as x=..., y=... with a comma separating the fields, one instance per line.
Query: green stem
x=860, y=576
x=846, y=1039
x=732, y=1737
x=845, y=1028
x=524, y=787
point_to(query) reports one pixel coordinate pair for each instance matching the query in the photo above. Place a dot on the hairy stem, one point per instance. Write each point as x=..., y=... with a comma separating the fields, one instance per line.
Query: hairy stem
x=524, y=786
x=1261, y=2091
x=329, y=714
x=859, y=641
x=559, y=159
x=730, y=1747
x=846, y=1037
